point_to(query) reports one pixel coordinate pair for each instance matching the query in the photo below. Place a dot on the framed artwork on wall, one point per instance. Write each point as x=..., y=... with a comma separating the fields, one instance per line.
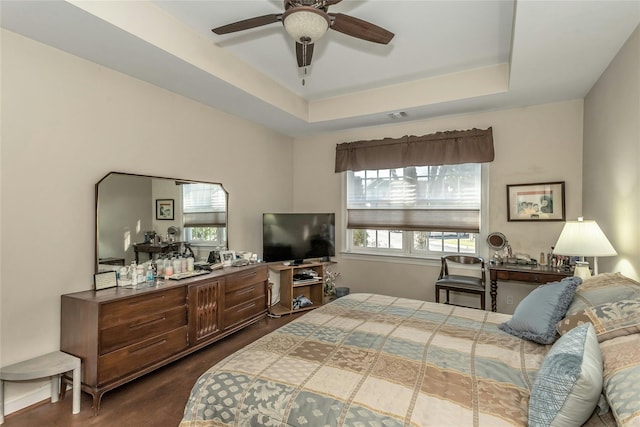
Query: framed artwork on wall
x=536, y=202
x=164, y=209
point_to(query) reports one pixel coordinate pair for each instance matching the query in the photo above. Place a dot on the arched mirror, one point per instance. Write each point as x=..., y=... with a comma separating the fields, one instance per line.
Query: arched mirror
x=140, y=216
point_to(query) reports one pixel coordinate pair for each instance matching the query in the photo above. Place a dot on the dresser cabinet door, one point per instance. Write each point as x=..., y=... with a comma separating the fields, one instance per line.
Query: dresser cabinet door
x=204, y=312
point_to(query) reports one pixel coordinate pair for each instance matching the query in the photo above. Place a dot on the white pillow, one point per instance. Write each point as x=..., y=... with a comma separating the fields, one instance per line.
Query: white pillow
x=569, y=383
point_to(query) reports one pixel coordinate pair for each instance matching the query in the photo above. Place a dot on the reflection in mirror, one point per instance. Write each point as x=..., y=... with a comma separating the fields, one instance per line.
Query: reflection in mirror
x=139, y=217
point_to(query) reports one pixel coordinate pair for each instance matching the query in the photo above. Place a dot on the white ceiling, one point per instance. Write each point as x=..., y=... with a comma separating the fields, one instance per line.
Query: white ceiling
x=447, y=57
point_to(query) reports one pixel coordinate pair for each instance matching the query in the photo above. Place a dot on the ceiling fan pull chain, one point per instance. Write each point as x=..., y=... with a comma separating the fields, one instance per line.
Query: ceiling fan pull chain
x=305, y=60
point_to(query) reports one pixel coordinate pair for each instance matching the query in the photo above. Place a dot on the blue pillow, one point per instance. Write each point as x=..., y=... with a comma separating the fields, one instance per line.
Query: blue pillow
x=569, y=383
x=536, y=316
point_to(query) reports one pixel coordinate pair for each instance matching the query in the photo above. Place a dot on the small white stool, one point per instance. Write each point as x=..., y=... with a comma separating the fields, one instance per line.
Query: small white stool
x=49, y=365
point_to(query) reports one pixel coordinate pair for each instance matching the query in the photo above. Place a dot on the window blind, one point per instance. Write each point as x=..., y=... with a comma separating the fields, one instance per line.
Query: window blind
x=424, y=198
x=204, y=205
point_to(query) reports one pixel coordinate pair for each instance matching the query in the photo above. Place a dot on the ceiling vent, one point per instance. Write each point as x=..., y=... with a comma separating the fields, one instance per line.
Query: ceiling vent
x=398, y=115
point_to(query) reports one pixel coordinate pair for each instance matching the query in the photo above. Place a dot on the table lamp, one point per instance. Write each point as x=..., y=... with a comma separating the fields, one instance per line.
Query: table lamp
x=584, y=239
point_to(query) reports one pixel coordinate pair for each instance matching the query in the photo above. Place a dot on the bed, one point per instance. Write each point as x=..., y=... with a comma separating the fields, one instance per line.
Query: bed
x=368, y=359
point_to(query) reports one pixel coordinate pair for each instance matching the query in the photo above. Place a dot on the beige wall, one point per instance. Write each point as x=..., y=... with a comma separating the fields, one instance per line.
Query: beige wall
x=534, y=144
x=612, y=157
x=66, y=123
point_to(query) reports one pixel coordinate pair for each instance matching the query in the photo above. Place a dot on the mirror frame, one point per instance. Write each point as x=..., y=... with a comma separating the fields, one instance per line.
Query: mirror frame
x=188, y=181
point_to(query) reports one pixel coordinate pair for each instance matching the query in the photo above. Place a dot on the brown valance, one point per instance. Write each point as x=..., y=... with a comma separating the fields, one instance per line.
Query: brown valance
x=441, y=148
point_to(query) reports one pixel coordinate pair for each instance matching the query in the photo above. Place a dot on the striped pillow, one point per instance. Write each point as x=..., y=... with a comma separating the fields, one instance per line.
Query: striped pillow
x=621, y=358
x=569, y=383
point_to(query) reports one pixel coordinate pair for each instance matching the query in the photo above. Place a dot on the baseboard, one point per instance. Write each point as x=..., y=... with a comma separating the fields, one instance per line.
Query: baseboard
x=16, y=403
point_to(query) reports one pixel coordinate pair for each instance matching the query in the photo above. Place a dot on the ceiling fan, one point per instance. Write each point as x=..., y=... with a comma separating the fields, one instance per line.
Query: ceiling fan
x=306, y=21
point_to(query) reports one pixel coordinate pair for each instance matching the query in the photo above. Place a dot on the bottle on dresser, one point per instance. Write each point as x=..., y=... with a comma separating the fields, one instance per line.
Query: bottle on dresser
x=140, y=273
x=133, y=270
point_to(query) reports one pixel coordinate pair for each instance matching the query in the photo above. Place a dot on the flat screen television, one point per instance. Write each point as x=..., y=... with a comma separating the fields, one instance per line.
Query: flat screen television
x=298, y=236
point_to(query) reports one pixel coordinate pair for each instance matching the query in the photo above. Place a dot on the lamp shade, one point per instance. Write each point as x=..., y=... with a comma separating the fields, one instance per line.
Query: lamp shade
x=583, y=238
x=305, y=24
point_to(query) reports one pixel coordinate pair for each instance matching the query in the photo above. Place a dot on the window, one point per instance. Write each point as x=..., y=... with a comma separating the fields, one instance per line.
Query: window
x=414, y=211
x=204, y=213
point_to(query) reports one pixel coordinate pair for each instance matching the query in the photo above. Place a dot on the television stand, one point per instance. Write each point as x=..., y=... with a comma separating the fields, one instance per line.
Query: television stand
x=290, y=289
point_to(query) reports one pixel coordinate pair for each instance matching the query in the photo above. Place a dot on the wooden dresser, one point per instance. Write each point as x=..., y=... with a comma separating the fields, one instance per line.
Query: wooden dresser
x=121, y=334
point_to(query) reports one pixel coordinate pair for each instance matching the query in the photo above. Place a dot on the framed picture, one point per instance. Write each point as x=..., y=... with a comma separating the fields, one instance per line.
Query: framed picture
x=536, y=202
x=214, y=257
x=105, y=280
x=164, y=209
x=227, y=257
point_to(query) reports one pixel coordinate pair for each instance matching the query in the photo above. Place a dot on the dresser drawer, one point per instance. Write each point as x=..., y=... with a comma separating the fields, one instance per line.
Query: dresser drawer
x=242, y=279
x=245, y=311
x=141, y=328
x=124, y=311
x=531, y=277
x=137, y=356
x=244, y=294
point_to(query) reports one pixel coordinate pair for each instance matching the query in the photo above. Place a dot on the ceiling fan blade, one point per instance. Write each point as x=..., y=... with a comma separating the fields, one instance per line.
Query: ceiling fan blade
x=304, y=53
x=330, y=2
x=364, y=30
x=246, y=24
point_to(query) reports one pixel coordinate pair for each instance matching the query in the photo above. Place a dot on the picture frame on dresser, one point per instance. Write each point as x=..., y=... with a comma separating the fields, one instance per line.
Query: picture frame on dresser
x=544, y=201
x=227, y=257
x=105, y=280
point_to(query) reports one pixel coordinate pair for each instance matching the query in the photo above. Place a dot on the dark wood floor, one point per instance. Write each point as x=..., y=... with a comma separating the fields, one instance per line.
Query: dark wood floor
x=157, y=399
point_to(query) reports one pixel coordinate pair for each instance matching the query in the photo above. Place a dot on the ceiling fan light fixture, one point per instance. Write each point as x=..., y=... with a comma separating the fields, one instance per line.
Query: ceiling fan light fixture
x=305, y=24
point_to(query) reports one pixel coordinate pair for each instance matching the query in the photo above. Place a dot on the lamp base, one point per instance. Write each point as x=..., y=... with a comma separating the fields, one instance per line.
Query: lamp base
x=582, y=270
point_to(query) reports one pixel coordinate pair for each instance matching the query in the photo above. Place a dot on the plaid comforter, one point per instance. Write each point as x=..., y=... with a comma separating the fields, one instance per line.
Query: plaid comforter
x=369, y=359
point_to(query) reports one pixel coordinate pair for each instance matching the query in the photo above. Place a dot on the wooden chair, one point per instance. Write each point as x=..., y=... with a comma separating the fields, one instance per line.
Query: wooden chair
x=458, y=283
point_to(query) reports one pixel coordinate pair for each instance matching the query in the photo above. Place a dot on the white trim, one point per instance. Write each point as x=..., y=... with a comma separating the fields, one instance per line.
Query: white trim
x=38, y=395
x=343, y=207
x=387, y=257
x=429, y=262
x=482, y=249
x=481, y=245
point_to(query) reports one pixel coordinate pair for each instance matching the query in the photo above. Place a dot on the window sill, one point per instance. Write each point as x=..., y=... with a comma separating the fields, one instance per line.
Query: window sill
x=203, y=244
